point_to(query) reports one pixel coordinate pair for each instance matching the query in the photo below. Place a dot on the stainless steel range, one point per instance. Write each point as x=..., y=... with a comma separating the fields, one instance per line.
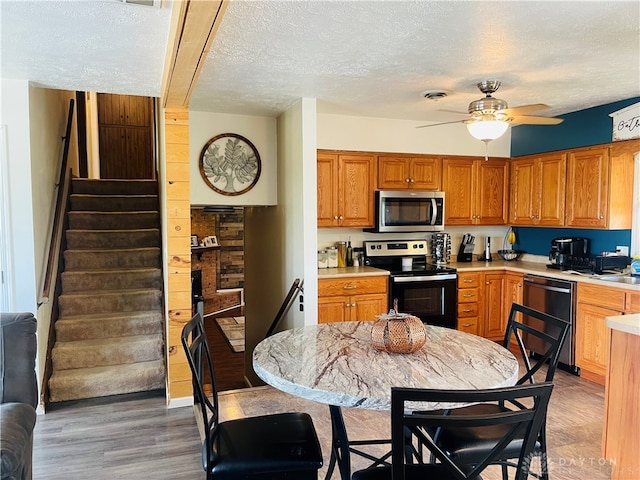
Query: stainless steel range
x=425, y=290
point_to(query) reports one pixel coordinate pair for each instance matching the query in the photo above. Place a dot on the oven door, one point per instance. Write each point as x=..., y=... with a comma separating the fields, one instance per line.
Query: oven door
x=432, y=298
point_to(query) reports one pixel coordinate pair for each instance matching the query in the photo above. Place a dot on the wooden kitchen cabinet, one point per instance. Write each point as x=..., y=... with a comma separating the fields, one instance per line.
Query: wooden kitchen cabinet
x=513, y=289
x=537, y=189
x=476, y=190
x=494, y=321
x=345, y=189
x=399, y=172
x=352, y=298
x=594, y=303
x=600, y=186
x=469, y=302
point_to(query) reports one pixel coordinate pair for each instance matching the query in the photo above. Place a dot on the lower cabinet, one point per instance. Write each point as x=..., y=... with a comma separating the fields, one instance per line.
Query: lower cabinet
x=494, y=323
x=592, y=337
x=352, y=298
x=484, y=301
x=469, y=302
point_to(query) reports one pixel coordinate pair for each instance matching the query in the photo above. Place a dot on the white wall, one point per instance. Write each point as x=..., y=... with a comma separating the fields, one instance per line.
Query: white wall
x=261, y=131
x=341, y=132
x=15, y=115
x=276, y=238
x=35, y=121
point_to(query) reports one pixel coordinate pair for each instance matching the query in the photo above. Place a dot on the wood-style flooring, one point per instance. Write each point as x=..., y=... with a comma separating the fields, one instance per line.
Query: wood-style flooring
x=138, y=437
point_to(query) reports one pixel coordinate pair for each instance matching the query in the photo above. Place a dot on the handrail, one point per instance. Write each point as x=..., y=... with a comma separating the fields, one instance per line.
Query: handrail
x=56, y=228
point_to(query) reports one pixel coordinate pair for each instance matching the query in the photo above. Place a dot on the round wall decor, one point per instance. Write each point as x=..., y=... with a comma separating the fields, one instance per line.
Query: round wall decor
x=230, y=164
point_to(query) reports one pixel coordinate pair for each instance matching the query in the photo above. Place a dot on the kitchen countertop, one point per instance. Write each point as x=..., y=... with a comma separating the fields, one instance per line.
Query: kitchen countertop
x=625, y=323
x=362, y=271
x=519, y=266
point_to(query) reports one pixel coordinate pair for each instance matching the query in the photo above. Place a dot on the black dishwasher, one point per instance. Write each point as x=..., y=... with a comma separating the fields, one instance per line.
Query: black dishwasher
x=558, y=298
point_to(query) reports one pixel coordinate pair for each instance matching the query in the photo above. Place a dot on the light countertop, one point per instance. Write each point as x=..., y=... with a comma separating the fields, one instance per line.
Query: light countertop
x=519, y=266
x=625, y=323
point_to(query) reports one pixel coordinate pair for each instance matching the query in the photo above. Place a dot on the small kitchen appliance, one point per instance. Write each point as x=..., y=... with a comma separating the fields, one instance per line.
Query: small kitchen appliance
x=569, y=253
x=408, y=211
x=426, y=290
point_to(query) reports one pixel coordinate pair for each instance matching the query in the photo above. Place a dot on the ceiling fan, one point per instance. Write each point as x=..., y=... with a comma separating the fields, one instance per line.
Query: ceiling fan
x=489, y=117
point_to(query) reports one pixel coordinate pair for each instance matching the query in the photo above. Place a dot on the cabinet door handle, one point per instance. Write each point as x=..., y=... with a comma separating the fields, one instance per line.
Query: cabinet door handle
x=350, y=287
x=467, y=324
x=407, y=180
x=467, y=295
x=467, y=311
x=340, y=218
x=335, y=217
x=466, y=280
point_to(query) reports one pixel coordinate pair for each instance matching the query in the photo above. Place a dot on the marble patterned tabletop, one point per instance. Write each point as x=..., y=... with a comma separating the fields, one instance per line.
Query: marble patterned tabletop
x=336, y=364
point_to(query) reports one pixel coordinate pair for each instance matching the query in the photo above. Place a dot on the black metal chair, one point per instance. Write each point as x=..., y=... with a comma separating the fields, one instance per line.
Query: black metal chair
x=548, y=333
x=268, y=447
x=410, y=431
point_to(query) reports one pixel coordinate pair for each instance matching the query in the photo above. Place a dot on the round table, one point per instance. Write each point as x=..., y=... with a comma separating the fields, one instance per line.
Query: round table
x=336, y=364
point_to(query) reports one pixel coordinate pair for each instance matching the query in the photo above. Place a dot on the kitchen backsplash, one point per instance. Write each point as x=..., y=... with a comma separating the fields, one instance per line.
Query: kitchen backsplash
x=329, y=236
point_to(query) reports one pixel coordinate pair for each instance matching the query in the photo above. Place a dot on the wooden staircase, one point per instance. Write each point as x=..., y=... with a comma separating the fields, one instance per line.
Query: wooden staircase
x=110, y=327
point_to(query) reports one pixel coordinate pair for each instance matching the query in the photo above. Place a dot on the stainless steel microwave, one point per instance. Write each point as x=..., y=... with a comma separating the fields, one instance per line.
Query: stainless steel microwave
x=408, y=211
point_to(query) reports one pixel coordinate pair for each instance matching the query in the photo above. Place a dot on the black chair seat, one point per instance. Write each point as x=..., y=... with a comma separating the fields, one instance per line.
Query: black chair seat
x=410, y=432
x=268, y=447
x=468, y=444
x=549, y=333
x=278, y=445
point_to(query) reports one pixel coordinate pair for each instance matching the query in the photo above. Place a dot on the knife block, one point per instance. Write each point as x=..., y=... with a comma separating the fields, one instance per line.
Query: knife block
x=465, y=253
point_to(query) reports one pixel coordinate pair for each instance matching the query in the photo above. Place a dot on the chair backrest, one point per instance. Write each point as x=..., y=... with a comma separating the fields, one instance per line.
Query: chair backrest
x=514, y=419
x=531, y=327
x=205, y=395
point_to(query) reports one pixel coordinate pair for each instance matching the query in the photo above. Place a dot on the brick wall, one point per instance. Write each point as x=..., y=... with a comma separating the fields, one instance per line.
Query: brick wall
x=222, y=268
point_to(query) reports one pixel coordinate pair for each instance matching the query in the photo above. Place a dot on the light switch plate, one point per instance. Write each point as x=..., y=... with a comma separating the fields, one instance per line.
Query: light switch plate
x=622, y=250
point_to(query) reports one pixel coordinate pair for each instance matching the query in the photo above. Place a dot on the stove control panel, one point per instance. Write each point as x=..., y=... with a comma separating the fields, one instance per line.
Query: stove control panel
x=395, y=248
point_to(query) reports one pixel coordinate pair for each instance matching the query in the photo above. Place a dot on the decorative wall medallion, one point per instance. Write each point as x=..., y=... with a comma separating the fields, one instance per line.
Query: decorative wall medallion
x=230, y=164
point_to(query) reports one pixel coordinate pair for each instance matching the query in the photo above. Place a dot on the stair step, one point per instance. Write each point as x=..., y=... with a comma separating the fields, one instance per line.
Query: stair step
x=134, y=238
x=102, y=352
x=113, y=258
x=109, y=301
x=90, y=220
x=100, y=325
x=114, y=187
x=78, y=281
x=105, y=381
x=113, y=203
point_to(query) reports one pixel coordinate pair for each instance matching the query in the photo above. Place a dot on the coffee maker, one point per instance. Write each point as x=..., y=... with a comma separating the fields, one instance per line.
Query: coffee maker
x=569, y=252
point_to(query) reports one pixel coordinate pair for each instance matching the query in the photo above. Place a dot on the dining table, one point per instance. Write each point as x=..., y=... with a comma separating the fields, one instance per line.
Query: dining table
x=337, y=364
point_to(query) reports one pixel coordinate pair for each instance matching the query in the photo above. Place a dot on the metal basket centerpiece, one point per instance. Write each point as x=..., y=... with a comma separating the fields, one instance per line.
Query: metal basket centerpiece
x=398, y=332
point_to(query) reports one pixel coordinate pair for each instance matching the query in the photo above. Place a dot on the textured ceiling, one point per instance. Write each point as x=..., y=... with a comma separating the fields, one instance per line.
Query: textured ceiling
x=371, y=58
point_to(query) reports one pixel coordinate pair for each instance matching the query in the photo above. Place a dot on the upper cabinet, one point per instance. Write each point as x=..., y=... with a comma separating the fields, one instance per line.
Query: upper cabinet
x=345, y=189
x=475, y=190
x=538, y=190
x=398, y=172
x=600, y=186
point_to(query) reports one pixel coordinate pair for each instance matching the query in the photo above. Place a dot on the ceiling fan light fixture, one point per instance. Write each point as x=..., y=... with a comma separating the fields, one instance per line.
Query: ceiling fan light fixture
x=487, y=130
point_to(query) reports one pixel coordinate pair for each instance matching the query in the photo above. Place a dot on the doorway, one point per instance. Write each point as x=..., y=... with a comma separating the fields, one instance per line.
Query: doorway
x=217, y=263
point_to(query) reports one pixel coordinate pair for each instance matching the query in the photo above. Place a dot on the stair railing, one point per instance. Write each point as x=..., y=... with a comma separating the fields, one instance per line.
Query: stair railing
x=64, y=181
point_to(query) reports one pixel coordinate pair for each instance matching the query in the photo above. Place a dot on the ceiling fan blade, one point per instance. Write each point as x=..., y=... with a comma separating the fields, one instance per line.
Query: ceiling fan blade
x=525, y=109
x=442, y=123
x=454, y=111
x=532, y=120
